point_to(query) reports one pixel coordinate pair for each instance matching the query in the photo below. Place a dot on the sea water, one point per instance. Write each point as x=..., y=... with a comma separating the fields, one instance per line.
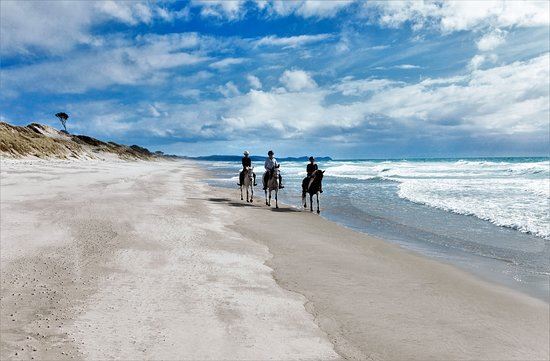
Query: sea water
x=490, y=216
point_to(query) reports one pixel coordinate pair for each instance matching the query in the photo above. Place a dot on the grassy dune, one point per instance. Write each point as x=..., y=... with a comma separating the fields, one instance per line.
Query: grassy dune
x=43, y=141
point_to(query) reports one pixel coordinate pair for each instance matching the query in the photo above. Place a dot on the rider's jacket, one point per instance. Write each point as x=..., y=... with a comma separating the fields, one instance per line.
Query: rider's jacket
x=247, y=162
x=270, y=164
x=311, y=168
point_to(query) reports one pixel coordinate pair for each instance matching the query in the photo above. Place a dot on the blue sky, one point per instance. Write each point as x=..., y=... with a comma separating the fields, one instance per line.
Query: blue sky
x=349, y=79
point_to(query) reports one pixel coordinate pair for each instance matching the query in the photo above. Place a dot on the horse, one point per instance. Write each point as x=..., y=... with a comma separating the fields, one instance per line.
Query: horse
x=272, y=185
x=313, y=188
x=248, y=183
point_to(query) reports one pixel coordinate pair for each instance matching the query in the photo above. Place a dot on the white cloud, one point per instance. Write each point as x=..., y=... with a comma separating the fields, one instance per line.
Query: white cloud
x=510, y=99
x=451, y=16
x=505, y=101
x=304, y=8
x=291, y=41
x=491, y=40
x=190, y=93
x=237, y=9
x=350, y=87
x=407, y=66
x=296, y=80
x=480, y=59
x=227, y=62
x=228, y=9
x=124, y=65
x=229, y=90
x=321, y=8
x=57, y=26
x=254, y=82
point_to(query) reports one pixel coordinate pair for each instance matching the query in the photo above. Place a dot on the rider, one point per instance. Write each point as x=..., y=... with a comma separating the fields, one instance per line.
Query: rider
x=310, y=169
x=247, y=162
x=271, y=165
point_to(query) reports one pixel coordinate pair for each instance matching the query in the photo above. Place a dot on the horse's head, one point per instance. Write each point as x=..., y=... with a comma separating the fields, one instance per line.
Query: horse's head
x=318, y=174
x=275, y=173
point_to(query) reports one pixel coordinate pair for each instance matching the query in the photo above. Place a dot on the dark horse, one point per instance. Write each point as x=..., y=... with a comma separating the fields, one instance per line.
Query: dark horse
x=312, y=186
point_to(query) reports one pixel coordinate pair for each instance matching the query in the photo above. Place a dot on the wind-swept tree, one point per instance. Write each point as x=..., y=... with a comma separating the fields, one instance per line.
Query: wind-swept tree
x=63, y=119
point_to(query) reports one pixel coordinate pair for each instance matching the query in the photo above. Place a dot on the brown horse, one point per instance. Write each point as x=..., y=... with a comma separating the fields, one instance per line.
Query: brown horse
x=313, y=187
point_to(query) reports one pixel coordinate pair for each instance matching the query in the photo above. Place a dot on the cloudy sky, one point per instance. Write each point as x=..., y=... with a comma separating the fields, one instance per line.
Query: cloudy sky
x=350, y=79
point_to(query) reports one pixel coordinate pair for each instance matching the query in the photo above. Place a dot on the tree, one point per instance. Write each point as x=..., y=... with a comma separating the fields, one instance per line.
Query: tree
x=63, y=119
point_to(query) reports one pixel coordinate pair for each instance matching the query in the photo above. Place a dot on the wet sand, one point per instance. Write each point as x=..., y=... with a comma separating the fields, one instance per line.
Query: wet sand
x=143, y=260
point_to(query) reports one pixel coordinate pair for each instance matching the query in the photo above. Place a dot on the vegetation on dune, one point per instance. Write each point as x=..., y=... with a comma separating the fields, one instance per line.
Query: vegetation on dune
x=46, y=142
x=63, y=119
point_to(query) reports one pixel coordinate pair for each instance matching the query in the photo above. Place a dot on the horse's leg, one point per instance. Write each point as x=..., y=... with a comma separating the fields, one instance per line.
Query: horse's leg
x=241, y=192
x=276, y=201
x=304, y=200
x=318, y=207
x=251, y=192
x=311, y=202
x=267, y=204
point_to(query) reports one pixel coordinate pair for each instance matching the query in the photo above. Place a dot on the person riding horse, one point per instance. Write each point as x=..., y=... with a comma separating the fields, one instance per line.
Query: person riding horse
x=271, y=165
x=310, y=169
x=247, y=162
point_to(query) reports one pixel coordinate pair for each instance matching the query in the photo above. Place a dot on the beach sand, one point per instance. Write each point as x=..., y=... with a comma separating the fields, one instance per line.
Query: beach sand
x=143, y=260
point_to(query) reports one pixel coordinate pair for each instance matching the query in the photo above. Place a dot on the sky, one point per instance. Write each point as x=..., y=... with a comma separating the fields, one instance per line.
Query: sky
x=347, y=79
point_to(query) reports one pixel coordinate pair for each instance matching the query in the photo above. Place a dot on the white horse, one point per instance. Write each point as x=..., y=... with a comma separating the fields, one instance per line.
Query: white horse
x=313, y=187
x=248, y=183
x=272, y=185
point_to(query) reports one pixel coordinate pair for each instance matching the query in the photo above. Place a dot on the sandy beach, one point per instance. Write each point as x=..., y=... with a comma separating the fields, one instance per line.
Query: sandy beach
x=144, y=260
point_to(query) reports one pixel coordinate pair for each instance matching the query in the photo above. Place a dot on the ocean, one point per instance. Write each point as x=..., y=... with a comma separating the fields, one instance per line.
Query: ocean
x=489, y=216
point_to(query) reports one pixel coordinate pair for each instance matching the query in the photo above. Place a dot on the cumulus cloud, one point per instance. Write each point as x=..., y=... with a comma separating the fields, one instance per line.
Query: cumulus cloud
x=491, y=40
x=229, y=90
x=222, y=9
x=29, y=26
x=306, y=8
x=237, y=9
x=254, y=82
x=480, y=59
x=499, y=104
x=296, y=80
x=146, y=63
x=451, y=16
x=504, y=100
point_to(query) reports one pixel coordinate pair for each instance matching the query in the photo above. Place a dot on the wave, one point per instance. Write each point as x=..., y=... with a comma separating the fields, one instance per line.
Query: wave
x=511, y=194
x=507, y=204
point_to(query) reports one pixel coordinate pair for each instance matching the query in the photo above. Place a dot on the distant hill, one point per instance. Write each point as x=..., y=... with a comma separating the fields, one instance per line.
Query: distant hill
x=43, y=141
x=237, y=158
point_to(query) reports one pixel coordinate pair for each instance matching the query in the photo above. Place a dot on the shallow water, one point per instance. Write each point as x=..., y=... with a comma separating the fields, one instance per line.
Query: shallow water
x=489, y=216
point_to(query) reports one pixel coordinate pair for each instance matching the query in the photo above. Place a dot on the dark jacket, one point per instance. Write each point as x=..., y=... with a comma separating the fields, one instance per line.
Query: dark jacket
x=311, y=168
x=247, y=162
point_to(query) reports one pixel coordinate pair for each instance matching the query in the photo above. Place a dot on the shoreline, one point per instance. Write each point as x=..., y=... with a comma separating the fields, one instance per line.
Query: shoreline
x=179, y=262
x=440, y=281
x=428, y=236
x=350, y=351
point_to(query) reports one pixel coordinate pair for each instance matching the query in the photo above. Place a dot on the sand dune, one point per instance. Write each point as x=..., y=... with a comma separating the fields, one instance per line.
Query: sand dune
x=43, y=141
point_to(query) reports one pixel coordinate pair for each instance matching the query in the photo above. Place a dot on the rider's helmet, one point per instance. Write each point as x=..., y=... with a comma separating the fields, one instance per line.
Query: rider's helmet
x=311, y=159
x=270, y=153
x=246, y=152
